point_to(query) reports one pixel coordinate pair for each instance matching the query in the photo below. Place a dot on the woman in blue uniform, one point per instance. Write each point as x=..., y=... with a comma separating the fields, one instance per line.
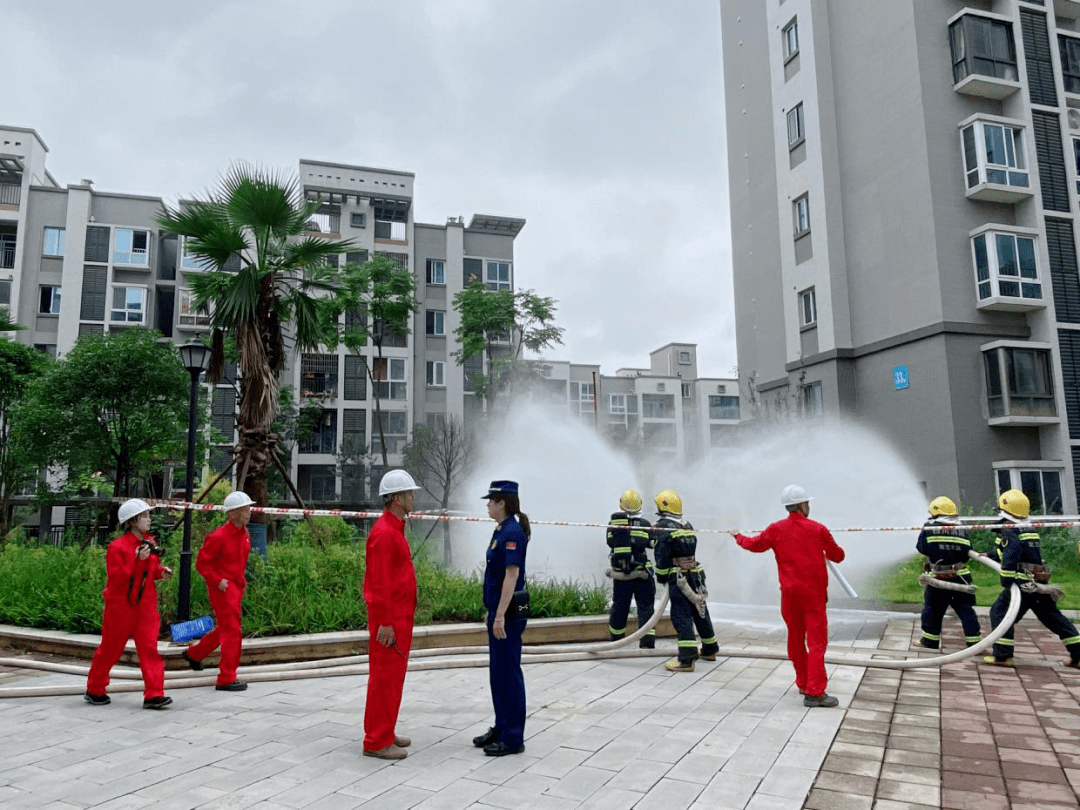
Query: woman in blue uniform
x=506, y=601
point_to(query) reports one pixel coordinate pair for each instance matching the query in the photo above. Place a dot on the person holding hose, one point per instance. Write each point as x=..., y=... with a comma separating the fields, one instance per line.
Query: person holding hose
x=947, y=579
x=133, y=566
x=631, y=571
x=222, y=561
x=507, y=603
x=390, y=594
x=1018, y=549
x=801, y=547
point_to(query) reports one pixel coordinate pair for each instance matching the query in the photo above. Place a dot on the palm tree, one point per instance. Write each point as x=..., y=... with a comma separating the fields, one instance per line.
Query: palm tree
x=265, y=274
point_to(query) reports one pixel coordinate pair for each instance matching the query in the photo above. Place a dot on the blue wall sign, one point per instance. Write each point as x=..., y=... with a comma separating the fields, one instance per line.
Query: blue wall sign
x=900, y=377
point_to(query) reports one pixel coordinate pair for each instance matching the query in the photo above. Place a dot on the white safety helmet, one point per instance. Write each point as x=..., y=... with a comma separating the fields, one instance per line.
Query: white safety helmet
x=396, y=481
x=130, y=508
x=793, y=494
x=237, y=500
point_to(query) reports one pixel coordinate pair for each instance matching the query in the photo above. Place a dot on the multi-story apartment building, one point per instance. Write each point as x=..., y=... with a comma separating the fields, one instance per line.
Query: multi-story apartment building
x=664, y=415
x=74, y=261
x=904, y=194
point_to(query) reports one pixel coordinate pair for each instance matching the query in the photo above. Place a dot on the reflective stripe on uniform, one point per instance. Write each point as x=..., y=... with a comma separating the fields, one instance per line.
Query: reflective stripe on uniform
x=666, y=571
x=680, y=533
x=1071, y=640
x=937, y=538
x=972, y=639
x=688, y=643
x=710, y=640
x=930, y=636
x=621, y=550
x=1004, y=642
x=615, y=632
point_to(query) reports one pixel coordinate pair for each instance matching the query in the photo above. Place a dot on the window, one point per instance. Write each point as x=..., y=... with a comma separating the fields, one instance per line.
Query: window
x=617, y=404
x=131, y=247
x=5, y=292
x=48, y=348
x=54, y=242
x=721, y=407
x=686, y=357
x=808, y=307
x=659, y=434
x=1076, y=161
x=7, y=251
x=49, y=300
x=1042, y=486
x=189, y=261
x=1070, y=63
x=317, y=483
x=385, y=229
x=436, y=373
x=1019, y=382
x=318, y=375
x=686, y=393
x=390, y=378
x=582, y=399
x=658, y=406
x=801, y=214
x=811, y=399
x=189, y=315
x=498, y=275
x=355, y=377
x=436, y=271
x=1006, y=266
x=327, y=219
x=323, y=435
x=994, y=153
x=394, y=428
x=436, y=322
x=982, y=46
x=795, y=134
x=436, y=421
x=128, y=305
x=358, y=220
x=791, y=39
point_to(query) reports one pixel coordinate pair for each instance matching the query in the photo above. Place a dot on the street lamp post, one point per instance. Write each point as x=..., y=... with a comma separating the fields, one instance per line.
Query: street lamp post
x=195, y=357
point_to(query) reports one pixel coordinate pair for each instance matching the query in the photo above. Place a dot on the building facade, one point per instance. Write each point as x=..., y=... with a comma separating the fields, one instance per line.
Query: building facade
x=75, y=261
x=904, y=192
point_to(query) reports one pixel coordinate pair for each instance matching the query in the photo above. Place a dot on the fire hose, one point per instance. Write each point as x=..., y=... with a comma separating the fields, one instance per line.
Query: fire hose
x=476, y=656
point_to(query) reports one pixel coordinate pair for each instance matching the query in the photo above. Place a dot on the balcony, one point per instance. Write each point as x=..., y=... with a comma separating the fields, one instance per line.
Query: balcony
x=10, y=194
x=983, y=55
x=995, y=162
x=1007, y=277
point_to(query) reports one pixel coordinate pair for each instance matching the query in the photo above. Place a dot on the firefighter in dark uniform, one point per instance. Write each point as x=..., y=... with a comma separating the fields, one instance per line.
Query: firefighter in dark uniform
x=676, y=565
x=506, y=600
x=631, y=571
x=1018, y=551
x=943, y=544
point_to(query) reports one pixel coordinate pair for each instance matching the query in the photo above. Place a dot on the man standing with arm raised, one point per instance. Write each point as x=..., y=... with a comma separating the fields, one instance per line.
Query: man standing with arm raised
x=801, y=547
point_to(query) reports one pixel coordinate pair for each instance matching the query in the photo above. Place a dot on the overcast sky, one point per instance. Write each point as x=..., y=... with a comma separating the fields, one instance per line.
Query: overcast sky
x=600, y=123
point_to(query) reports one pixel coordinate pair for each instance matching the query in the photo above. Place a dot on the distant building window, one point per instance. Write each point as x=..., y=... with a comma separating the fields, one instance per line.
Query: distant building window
x=49, y=301
x=808, y=307
x=1076, y=161
x=658, y=406
x=48, y=348
x=131, y=247
x=395, y=430
x=189, y=315
x=791, y=39
x=358, y=219
x=128, y=305
x=189, y=261
x=436, y=322
x=1019, y=381
x=436, y=271
x=318, y=375
x=389, y=230
x=685, y=357
x=498, y=275
x=355, y=377
x=389, y=376
x=5, y=292
x=994, y=153
x=801, y=215
x=617, y=404
x=721, y=407
x=7, y=251
x=323, y=435
x=1042, y=486
x=436, y=373
x=811, y=399
x=327, y=219
x=795, y=134
x=686, y=390
x=1006, y=265
x=54, y=242
x=1069, y=48
x=983, y=46
x=582, y=399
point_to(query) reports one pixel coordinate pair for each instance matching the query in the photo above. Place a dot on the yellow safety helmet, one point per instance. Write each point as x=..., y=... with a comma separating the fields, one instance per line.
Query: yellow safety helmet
x=630, y=501
x=942, y=505
x=669, y=501
x=1014, y=502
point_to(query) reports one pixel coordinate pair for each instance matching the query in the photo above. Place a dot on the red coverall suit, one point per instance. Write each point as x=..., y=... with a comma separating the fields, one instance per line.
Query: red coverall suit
x=224, y=555
x=390, y=594
x=801, y=546
x=131, y=611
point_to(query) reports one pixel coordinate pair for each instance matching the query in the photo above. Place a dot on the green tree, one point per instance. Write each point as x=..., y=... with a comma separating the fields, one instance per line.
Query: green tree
x=384, y=292
x=266, y=272
x=19, y=365
x=440, y=457
x=501, y=324
x=117, y=404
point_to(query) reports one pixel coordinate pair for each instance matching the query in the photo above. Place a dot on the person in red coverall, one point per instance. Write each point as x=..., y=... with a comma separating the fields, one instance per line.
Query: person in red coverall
x=131, y=609
x=221, y=561
x=390, y=594
x=801, y=547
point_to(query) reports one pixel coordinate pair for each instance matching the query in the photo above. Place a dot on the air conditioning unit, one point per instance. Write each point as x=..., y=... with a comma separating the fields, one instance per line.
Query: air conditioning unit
x=721, y=389
x=1073, y=117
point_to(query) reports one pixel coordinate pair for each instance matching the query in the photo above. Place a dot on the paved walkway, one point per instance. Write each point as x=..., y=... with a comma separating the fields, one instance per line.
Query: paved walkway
x=601, y=734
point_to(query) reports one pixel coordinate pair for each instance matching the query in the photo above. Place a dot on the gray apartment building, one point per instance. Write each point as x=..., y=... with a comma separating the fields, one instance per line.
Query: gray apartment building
x=75, y=260
x=904, y=194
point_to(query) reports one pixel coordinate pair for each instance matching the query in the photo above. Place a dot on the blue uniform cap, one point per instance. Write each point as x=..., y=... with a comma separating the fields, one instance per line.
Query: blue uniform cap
x=501, y=488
